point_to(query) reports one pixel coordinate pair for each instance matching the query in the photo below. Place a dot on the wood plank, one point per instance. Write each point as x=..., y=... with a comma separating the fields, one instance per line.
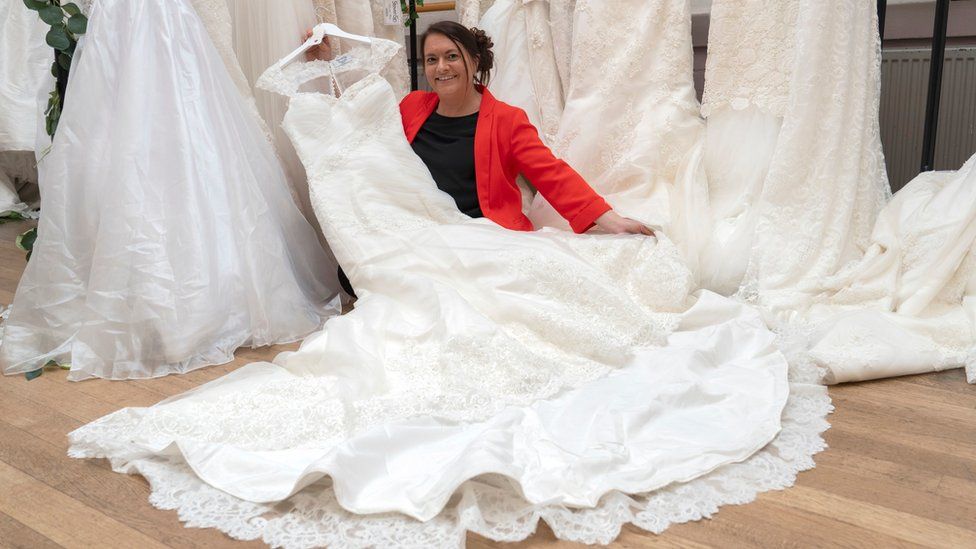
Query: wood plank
x=876, y=518
x=15, y=535
x=39, y=449
x=61, y=519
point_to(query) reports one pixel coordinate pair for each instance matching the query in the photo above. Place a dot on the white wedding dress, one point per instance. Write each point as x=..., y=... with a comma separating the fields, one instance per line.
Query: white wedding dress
x=796, y=176
x=469, y=388
x=168, y=237
x=909, y=305
x=25, y=68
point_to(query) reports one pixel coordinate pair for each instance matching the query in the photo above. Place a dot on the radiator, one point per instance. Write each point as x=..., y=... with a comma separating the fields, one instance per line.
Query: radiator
x=904, y=86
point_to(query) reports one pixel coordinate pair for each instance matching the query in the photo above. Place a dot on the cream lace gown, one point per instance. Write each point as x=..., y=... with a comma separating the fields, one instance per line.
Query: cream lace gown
x=469, y=387
x=796, y=175
x=168, y=237
x=25, y=68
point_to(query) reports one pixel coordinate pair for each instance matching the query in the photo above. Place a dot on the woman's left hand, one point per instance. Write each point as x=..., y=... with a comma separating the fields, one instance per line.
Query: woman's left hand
x=614, y=223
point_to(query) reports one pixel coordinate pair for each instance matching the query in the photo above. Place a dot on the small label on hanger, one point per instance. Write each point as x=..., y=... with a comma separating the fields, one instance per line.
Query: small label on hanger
x=393, y=13
x=341, y=61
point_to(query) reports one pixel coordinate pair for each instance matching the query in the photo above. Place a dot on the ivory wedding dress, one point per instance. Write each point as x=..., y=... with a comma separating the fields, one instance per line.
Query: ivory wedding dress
x=909, y=305
x=630, y=125
x=468, y=388
x=25, y=67
x=169, y=237
x=796, y=176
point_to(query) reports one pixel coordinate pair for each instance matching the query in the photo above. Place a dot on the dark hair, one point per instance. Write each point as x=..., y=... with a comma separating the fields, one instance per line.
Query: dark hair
x=474, y=41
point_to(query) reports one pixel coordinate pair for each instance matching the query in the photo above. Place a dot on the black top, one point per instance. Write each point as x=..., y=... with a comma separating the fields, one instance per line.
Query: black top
x=446, y=145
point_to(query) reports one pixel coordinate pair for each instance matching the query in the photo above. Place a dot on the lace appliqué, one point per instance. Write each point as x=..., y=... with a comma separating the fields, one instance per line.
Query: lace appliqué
x=751, y=55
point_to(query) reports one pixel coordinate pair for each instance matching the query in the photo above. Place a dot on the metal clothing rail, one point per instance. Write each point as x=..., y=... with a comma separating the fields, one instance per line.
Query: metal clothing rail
x=939, y=32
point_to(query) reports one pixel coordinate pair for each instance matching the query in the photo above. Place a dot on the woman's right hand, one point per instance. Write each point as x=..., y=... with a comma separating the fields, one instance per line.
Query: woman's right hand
x=322, y=52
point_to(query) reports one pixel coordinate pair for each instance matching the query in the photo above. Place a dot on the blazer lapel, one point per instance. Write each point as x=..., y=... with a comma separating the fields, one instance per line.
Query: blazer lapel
x=483, y=144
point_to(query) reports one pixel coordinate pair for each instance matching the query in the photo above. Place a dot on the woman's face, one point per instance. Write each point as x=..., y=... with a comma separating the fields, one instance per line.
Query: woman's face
x=444, y=66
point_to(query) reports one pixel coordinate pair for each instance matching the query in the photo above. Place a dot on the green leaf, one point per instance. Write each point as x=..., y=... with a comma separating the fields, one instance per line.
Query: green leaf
x=36, y=5
x=25, y=241
x=57, y=38
x=35, y=374
x=71, y=8
x=52, y=15
x=78, y=24
x=64, y=60
x=8, y=216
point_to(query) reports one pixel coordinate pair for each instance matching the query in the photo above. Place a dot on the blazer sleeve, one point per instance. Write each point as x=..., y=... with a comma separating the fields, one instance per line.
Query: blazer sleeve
x=560, y=184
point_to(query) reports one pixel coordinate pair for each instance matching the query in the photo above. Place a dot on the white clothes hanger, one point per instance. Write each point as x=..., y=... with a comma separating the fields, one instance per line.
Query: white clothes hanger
x=318, y=34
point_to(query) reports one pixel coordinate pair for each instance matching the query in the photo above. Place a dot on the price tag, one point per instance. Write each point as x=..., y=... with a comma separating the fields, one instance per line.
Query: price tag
x=393, y=13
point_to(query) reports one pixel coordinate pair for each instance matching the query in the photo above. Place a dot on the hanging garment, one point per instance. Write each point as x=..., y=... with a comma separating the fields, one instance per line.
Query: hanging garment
x=25, y=61
x=794, y=160
x=909, y=305
x=264, y=32
x=366, y=18
x=470, y=12
x=168, y=237
x=472, y=349
x=525, y=74
x=25, y=68
x=630, y=125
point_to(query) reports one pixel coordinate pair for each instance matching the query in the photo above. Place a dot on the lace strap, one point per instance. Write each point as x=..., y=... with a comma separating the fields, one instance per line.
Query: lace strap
x=369, y=59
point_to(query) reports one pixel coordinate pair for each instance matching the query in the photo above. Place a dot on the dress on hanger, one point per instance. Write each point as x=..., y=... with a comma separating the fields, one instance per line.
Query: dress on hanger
x=169, y=237
x=472, y=349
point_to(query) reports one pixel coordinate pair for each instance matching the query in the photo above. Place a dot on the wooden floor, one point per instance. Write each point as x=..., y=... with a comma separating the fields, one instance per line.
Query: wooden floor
x=900, y=470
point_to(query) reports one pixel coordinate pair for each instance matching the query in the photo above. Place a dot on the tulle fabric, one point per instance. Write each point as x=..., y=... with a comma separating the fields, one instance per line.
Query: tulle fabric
x=739, y=145
x=263, y=33
x=163, y=246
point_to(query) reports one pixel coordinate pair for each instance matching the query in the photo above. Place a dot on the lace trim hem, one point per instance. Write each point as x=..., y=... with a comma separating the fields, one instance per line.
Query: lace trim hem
x=488, y=505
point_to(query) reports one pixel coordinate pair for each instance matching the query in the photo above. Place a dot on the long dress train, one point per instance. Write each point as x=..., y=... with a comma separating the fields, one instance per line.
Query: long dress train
x=475, y=364
x=169, y=237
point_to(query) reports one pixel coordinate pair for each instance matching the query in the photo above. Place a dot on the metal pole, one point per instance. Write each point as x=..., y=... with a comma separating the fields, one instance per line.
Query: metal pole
x=882, y=9
x=412, y=14
x=935, y=84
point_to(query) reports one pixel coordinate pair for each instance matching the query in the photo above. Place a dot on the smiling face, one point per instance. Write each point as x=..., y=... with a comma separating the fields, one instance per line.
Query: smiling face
x=448, y=67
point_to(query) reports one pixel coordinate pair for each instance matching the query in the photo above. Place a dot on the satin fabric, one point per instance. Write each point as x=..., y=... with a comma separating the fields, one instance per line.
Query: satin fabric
x=168, y=237
x=472, y=349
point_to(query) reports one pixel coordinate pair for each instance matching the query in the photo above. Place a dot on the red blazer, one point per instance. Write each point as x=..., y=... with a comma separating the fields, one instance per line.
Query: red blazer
x=506, y=144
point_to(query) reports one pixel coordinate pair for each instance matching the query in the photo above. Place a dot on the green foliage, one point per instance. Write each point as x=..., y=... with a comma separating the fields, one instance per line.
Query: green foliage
x=49, y=366
x=67, y=24
x=7, y=217
x=25, y=241
x=411, y=14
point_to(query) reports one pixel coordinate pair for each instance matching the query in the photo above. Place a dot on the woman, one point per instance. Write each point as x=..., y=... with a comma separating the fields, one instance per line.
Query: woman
x=476, y=146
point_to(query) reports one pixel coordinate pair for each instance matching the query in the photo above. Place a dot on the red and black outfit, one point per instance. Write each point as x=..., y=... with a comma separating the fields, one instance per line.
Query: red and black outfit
x=506, y=144
x=477, y=158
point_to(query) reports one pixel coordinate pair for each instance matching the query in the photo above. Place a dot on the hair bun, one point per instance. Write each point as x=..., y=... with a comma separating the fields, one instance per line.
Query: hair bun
x=484, y=49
